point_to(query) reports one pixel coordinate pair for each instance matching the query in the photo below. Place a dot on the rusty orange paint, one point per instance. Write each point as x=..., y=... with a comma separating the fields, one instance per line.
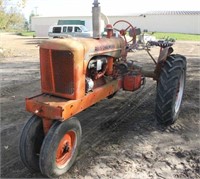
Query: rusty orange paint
x=110, y=66
x=44, y=108
x=46, y=124
x=132, y=82
x=63, y=66
x=52, y=71
x=51, y=107
x=71, y=56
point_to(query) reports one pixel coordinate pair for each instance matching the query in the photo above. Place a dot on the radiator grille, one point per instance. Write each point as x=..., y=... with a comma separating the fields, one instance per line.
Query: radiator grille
x=45, y=65
x=57, y=71
x=63, y=71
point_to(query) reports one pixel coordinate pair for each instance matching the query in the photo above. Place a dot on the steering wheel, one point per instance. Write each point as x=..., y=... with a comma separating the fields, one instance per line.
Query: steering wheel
x=123, y=32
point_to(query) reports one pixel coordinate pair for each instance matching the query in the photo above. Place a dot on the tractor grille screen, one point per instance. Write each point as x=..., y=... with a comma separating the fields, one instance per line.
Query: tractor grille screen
x=45, y=65
x=57, y=71
x=63, y=71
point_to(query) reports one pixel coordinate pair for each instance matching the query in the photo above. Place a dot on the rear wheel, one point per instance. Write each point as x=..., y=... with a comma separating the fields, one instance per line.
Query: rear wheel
x=30, y=143
x=60, y=147
x=170, y=89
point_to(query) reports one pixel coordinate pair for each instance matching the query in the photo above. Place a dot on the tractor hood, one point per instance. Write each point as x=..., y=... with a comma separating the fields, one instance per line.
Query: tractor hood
x=88, y=47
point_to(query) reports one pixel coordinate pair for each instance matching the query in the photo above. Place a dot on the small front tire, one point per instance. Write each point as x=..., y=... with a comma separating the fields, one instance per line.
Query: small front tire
x=30, y=143
x=60, y=147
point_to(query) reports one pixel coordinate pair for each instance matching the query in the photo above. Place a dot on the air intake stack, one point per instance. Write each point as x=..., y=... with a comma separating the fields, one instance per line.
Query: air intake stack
x=96, y=20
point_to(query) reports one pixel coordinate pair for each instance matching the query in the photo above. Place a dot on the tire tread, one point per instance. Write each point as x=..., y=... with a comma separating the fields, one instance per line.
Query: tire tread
x=167, y=85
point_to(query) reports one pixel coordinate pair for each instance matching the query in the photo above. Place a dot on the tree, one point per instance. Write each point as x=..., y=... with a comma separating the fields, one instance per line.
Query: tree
x=15, y=19
x=17, y=3
x=10, y=16
x=30, y=17
x=26, y=25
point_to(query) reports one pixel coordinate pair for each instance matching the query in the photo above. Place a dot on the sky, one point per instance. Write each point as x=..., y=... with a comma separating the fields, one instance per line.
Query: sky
x=108, y=7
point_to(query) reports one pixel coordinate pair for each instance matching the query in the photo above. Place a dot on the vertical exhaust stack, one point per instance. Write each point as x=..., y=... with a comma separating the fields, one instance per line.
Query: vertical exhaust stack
x=96, y=20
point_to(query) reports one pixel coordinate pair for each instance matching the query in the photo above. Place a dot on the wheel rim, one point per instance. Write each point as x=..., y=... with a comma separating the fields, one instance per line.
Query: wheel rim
x=179, y=93
x=65, y=149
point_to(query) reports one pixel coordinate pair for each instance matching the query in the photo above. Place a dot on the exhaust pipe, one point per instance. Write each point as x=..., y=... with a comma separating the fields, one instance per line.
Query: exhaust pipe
x=96, y=20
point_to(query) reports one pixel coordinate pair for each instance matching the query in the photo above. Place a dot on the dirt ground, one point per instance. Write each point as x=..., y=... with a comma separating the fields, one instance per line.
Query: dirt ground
x=121, y=139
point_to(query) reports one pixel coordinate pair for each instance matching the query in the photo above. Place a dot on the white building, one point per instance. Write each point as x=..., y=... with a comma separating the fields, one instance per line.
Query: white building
x=167, y=21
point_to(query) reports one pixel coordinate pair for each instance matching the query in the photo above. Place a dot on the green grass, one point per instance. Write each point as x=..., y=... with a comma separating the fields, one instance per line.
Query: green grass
x=158, y=35
x=177, y=36
x=26, y=33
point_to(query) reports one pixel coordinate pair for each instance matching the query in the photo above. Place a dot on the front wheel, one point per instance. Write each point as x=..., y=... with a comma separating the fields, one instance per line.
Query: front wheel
x=170, y=89
x=31, y=140
x=60, y=147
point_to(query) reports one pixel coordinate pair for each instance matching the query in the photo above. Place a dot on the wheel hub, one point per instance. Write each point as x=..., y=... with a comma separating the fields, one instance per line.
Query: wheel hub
x=65, y=149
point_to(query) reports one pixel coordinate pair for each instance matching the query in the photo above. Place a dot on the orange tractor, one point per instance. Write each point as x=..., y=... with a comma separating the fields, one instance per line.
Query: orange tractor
x=79, y=72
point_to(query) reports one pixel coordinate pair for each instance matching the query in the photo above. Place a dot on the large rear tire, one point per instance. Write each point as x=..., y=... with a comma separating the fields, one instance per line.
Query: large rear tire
x=30, y=143
x=60, y=147
x=170, y=89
